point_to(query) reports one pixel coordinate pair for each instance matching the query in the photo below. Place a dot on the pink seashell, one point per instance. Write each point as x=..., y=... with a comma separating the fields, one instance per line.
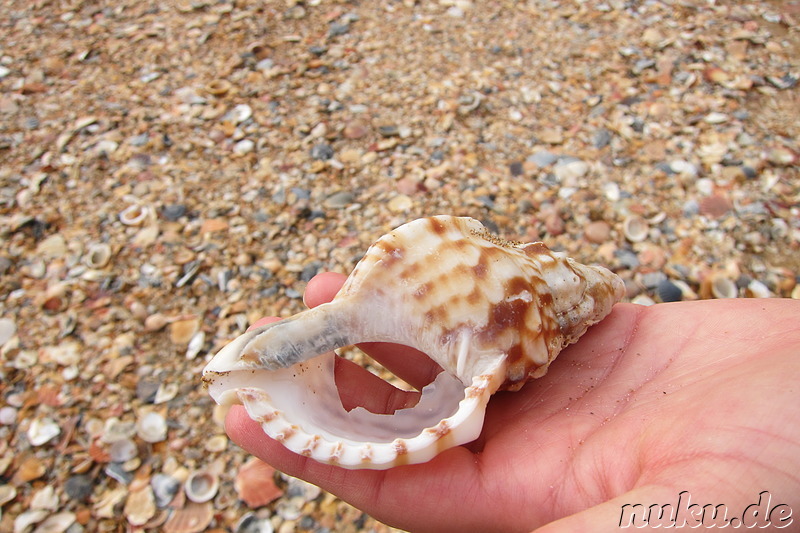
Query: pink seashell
x=492, y=314
x=193, y=518
x=255, y=484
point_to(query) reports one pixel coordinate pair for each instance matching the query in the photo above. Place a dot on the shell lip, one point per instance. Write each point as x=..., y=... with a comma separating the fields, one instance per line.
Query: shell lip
x=461, y=425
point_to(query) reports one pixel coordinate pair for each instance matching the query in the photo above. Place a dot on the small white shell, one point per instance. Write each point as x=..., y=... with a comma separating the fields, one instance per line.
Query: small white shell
x=635, y=228
x=122, y=450
x=7, y=330
x=756, y=289
x=250, y=523
x=723, y=287
x=7, y=493
x=195, y=344
x=165, y=488
x=44, y=498
x=165, y=393
x=134, y=215
x=152, y=427
x=25, y=520
x=42, y=431
x=239, y=114
x=201, y=486
x=97, y=255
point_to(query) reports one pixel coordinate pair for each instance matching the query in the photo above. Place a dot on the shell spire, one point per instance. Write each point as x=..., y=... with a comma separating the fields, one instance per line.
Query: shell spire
x=491, y=313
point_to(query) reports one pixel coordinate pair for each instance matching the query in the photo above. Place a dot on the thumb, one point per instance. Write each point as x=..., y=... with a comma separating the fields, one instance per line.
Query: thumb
x=643, y=507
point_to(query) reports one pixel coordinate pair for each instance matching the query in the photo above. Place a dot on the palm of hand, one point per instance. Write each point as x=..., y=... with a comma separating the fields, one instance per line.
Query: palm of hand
x=650, y=402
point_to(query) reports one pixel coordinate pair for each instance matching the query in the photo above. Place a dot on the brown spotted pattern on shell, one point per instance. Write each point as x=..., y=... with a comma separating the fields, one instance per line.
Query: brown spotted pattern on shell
x=491, y=313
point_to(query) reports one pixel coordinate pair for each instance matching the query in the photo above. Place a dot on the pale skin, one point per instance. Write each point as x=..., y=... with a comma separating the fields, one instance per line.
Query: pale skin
x=695, y=396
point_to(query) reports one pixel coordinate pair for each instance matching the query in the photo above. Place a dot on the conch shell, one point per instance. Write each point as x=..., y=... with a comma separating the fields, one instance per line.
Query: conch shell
x=491, y=313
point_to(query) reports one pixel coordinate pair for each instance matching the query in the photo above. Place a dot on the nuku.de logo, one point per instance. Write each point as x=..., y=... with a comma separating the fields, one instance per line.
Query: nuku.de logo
x=684, y=513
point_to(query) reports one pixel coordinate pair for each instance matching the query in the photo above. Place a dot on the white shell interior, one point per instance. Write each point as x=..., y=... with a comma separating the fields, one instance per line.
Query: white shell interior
x=307, y=392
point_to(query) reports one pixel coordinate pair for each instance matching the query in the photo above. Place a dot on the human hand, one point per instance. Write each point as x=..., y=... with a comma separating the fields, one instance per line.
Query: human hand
x=652, y=401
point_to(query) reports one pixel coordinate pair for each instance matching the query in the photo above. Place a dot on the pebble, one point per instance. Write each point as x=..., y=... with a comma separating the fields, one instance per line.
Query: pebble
x=122, y=450
x=339, y=200
x=146, y=388
x=182, y=331
x=117, y=472
x=195, y=346
x=781, y=156
x=355, y=129
x=217, y=443
x=756, y=289
x=691, y=208
x=27, y=519
x=7, y=330
x=322, y=152
x=140, y=505
x=44, y=498
x=245, y=146
x=298, y=488
x=551, y=135
x=400, y=204
x=213, y=225
x=612, y=192
x=651, y=280
x=568, y=171
x=250, y=523
x=57, y=523
x=173, y=212
x=115, y=429
x=714, y=206
x=597, y=232
x=601, y=138
x=30, y=469
x=542, y=158
x=7, y=493
x=165, y=488
x=554, y=225
x=79, y=487
x=52, y=247
x=389, y=130
x=627, y=258
x=309, y=271
x=716, y=118
x=8, y=415
x=335, y=29
x=643, y=299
